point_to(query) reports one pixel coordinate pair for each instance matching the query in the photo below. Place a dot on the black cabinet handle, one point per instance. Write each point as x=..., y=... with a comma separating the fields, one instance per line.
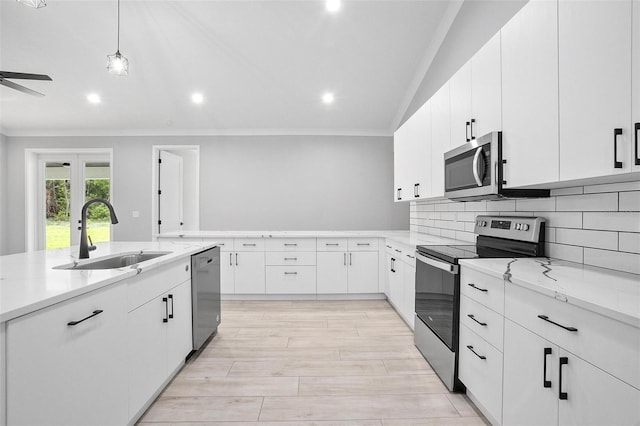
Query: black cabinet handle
x=290, y=258
x=472, y=285
x=399, y=191
x=96, y=312
x=291, y=273
x=399, y=251
x=473, y=120
x=616, y=164
x=466, y=131
x=230, y=259
x=545, y=383
x=331, y=244
x=290, y=244
x=166, y=310
x=546, y=318
x=236, y=259
x=250, y=245
x=171, y=298
x=476, y=353
x=350, y=259
x=363, y=244
x=563, y=361
x=637, y=130
x=393, y=264
x=344, y=258
x=410, y=257
x=416, y=190
x=484, y=324
x=209, y=260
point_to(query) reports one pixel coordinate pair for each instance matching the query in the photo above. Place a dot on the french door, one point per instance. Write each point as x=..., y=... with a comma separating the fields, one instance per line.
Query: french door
x=65, y=182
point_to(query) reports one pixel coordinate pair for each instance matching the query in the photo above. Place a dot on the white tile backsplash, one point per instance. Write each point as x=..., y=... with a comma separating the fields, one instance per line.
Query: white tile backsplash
x=597, y=225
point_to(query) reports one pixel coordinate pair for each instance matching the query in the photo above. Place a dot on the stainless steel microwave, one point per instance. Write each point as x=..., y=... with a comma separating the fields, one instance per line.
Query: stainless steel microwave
x=474, y=171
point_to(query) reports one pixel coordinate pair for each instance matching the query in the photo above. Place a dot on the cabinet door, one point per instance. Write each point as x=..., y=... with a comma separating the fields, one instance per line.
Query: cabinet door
x=595, y=87
x=401, y=162
x=227, y=276
x=146, y=350
x=409, y=296
x=530, y=95
x=59, y=374
x=526, y=401
x=595, y=397
x=440, y=138
x=179, y=332
x=332, y=272
x=635, y=83
x=363, y=272
x=460, y=95
x=249, y=272
x=396, y=283
x=486, y=88
x=420, y=154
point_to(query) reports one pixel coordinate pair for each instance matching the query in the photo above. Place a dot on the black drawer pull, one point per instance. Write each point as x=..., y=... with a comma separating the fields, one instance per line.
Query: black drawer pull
x=616, y=164
x=563, y=361
x=248, y=245
x=546, y=383
x=388, y=246
x=96, y=312
x=546, y=318
x=472, y=285
x=166, y=310
x=364, y=244
x=171, y=298
x=399, y=191
x=476, y=353
x=399, y=251
x=331, y=244
x=291, y=273
x=484, y=324
x=209, y=260
x=637, y=130
x=290, y=258
x=290, y=244
x=410, y=257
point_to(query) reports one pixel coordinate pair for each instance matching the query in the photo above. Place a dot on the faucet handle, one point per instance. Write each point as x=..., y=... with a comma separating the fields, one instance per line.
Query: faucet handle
x=91, y=246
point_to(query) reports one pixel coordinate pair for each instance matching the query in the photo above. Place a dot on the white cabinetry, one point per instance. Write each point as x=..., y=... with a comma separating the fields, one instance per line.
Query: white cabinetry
x=401, y=276
x=530, y=95
x=354, y=270
x=595, y=87
x=567, y=368
x=158, y=328
x=244, y=267
x=412, y=156
x=291, y=266
x=64, y=374
x=481, y=340
x=635, y=85
x=460, y=92
x=440, y=137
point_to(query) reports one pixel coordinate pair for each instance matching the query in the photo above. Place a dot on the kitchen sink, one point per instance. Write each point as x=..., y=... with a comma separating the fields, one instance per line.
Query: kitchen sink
x=119, y=260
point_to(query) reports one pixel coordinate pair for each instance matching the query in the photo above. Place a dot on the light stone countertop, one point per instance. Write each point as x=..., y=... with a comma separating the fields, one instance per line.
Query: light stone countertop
x=406, y=238
x=28, y=281
x=607, y=292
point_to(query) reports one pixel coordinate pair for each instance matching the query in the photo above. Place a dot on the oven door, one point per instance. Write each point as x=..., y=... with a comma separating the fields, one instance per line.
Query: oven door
x=438, y=298
x=471, y=170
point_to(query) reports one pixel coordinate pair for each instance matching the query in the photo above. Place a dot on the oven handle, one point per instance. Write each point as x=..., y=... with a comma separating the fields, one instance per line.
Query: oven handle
x=476, y=158
x=453, y=269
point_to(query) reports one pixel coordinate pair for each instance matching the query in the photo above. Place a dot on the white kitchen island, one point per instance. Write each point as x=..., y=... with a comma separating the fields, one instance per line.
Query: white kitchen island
x=91, y=346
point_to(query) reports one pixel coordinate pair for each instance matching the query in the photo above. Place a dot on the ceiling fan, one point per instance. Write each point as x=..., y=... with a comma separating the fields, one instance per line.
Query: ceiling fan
x=4, y=75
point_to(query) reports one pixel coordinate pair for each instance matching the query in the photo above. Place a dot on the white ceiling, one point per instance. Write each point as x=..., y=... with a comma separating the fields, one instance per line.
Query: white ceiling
x=262, y=65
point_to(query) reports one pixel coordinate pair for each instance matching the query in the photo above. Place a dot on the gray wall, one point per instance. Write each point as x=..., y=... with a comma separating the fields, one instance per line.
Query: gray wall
x=3, y=192
x=476, y=22
x=246, y=182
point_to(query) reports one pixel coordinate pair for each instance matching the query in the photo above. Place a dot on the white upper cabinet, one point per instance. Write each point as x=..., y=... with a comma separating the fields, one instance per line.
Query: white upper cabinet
x=486, y=103
x=460, y=93
x=635, y=82
x=440, y=138
x=595, y=87
x=530, y=95
x=401, y=161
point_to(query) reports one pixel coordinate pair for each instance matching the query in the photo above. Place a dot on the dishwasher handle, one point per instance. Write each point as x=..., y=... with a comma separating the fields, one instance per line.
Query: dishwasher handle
x=444, y=266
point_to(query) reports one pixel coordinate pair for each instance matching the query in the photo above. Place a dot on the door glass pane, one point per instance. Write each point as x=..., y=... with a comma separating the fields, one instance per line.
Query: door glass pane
x=97, y=184
x=57, y=205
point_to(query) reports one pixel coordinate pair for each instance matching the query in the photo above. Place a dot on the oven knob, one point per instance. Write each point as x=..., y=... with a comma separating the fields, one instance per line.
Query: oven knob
x=518, y=226
x=484, y=223
x=525, y=227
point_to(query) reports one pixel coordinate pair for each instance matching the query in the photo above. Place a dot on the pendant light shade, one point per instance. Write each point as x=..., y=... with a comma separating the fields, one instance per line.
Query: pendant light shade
x=36, y=4
x=116, y=63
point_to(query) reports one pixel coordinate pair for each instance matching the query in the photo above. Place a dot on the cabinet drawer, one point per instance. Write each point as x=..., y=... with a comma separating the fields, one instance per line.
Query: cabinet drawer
x=332, y=244
x=152, y=284
x=291, y=244
x=482, y=288
x=482, y=377
x=362, y=244
x=225, y=244
x=483, y=321
x=291, y=280
x=604, y=342
x=294, y=258
x=248, y=244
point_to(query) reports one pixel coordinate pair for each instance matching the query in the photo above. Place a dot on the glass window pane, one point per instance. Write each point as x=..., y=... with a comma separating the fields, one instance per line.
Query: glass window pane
x=97, y=185
x=57, y=205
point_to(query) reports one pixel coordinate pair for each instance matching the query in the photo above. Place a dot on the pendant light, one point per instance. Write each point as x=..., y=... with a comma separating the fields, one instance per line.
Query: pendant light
x=36, y=4
x=116, y=63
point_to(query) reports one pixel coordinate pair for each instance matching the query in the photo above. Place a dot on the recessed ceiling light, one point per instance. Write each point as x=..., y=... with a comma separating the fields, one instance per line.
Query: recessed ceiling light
x=94, y=98
x=197, y=98
x=328, y=98
x=333, y=5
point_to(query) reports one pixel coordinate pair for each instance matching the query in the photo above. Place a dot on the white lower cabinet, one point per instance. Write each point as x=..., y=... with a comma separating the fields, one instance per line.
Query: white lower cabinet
x=401, y=277
x=64, y=374
x=352, y=270
x=333, y=276
x=249, y=272
x=291, y=280
x=363, y=272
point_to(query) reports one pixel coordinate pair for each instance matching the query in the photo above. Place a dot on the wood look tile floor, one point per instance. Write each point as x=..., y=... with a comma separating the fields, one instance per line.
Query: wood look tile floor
x=310, y=363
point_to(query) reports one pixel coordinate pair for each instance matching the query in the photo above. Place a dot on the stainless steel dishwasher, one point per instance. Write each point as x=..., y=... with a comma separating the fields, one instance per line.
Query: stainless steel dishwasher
x=205, y=289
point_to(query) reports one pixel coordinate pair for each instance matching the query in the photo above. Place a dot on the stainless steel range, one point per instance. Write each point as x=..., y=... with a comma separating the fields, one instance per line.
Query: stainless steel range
x=438, y=284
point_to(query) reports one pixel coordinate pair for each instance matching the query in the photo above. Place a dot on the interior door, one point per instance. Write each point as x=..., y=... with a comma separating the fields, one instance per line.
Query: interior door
x=170, y=202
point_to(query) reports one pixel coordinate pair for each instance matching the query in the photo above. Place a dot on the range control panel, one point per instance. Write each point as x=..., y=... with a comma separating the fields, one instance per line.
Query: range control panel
x=521, y=228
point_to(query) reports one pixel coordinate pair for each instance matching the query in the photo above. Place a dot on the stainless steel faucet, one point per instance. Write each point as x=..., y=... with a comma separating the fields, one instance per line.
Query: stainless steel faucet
x=85, y=248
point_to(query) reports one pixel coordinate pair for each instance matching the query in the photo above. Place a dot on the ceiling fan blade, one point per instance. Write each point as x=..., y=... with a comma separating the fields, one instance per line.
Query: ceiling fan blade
x=19, y=87
x=24, y=76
